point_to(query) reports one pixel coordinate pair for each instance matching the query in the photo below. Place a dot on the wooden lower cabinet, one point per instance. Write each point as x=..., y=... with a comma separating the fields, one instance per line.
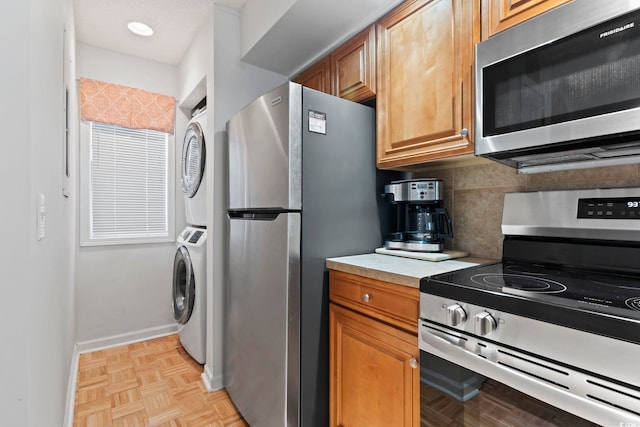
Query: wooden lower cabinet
x=374, y=373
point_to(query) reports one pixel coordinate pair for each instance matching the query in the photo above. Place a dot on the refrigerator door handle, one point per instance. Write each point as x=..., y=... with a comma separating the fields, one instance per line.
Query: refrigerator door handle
x=270, y=215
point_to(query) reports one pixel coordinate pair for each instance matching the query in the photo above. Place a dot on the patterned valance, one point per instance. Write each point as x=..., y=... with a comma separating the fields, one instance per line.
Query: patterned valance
x=126, y=106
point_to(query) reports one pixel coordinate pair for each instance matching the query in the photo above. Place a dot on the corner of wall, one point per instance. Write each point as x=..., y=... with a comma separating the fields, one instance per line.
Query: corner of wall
x=71, y=388
x=211, y=382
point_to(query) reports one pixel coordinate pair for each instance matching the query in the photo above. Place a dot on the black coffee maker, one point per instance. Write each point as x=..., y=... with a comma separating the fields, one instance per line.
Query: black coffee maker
x=422, y=222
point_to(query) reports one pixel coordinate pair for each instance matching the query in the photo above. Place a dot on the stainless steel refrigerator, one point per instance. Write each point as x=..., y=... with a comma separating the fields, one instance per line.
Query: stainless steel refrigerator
x=302, y=187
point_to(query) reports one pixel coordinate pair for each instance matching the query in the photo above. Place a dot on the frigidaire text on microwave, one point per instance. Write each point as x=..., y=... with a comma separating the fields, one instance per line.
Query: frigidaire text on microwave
x=562, y=90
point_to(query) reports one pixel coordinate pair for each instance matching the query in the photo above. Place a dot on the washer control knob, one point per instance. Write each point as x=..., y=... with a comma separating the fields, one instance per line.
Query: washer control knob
x=484, y=323
x=455, y=315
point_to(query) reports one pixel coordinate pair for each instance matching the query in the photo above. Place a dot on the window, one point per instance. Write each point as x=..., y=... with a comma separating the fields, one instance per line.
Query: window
x=127, y=194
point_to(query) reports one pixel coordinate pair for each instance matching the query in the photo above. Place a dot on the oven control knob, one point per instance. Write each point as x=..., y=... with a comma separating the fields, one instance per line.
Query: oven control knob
x=455, y=315
x=484, y=323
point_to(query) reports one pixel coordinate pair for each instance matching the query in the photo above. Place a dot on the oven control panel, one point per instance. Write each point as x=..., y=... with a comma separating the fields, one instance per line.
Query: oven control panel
x=609, y=208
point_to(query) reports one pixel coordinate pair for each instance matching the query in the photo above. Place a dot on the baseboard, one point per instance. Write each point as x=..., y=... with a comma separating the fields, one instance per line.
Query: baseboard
x=71, y=388
x=211, y=382
x=128, y=338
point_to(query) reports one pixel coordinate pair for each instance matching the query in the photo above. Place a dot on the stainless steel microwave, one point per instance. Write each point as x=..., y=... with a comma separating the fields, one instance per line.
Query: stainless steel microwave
x=562, y=90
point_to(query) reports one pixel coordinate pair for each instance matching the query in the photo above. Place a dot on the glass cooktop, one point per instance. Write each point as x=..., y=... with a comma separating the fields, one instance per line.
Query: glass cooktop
x=582, y=299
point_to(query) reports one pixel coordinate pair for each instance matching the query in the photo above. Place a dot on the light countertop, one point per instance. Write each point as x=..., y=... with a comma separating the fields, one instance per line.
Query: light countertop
x=399, y=270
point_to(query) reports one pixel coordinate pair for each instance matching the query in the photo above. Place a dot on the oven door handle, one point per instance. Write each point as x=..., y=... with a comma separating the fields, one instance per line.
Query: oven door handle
x=438, y=342
x=444, y=340
x=446, y=344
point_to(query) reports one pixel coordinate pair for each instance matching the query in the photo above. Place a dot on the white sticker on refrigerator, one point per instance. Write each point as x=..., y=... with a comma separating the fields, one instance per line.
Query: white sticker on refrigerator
x=317, y=122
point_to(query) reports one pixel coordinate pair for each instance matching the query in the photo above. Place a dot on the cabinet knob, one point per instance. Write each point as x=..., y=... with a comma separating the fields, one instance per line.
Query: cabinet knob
x=413, y=363
x=464, y=132
x=366, y=297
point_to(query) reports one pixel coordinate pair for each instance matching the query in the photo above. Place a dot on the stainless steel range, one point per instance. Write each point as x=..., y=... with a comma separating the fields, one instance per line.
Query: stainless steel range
x=559, y=317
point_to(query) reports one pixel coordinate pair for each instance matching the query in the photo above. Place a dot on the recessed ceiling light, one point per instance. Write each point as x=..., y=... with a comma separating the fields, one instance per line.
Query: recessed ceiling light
x=140, y=28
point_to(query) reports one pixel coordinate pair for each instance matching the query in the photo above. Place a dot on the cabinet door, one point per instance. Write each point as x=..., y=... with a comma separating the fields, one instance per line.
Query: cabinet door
x=498, y=15
x=353, y=67
x=374, y=377
x=317, y=77
x=425, y=64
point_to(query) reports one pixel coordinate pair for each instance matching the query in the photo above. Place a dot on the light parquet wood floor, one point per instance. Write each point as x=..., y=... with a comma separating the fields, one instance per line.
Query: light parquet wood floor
x=150, y=383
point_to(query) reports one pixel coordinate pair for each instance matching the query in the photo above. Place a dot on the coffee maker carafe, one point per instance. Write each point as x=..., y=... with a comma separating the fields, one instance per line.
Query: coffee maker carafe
x=422, y=222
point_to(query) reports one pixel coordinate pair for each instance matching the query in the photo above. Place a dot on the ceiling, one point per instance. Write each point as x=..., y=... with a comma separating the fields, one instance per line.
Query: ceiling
x=318, y=25
x=103, y=24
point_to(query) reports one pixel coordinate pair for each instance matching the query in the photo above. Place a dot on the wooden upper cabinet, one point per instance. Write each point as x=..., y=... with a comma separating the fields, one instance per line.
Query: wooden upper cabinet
x=425, y=91
x=317, y=77
x=498, y=15
x=353, y=67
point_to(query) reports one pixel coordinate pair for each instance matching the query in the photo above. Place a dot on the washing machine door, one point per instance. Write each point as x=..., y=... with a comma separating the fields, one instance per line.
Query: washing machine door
x=193, y=159
x=184, y=286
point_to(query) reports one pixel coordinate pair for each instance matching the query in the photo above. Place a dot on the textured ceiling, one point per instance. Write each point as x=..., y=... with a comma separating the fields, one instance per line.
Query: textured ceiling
x=307, y=30
x=103, y=23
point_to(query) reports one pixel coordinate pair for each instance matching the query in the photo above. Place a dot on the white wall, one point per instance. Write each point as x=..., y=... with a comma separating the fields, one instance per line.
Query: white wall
x=37, y=281
x=16, y=214
x=113, y=67
x=125, y=289
x=212, y=66
x=195, y=71
x=236, y=83
x=257, y=18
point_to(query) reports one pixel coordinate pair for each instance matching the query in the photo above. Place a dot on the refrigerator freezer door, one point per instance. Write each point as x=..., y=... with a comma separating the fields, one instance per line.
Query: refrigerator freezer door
x=262, y=329
x=265, y=151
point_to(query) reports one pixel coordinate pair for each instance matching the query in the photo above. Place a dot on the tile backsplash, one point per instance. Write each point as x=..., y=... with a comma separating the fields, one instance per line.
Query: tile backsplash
x=474, y=194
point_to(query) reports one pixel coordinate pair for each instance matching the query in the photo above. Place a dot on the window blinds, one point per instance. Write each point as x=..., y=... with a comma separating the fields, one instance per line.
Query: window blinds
x=128, y=182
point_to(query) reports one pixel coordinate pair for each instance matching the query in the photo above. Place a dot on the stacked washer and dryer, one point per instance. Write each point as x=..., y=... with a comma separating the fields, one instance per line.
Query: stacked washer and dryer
x=189, y=265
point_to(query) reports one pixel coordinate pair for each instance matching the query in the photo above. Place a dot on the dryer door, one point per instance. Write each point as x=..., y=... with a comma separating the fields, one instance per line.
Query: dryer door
x=184, y=286
x=193, y=159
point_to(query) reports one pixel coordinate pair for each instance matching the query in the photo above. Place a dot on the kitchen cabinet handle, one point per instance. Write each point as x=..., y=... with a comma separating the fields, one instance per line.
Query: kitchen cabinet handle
x=464, y=132
x=366, y=297
x=413, y=363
